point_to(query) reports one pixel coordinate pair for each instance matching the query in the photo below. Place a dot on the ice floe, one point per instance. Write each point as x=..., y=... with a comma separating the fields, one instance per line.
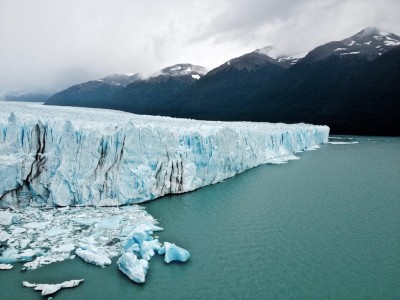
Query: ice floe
x=6, y=266
x=48, y=289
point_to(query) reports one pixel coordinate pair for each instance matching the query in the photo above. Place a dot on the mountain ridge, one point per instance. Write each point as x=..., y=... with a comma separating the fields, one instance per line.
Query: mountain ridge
x=326, y=86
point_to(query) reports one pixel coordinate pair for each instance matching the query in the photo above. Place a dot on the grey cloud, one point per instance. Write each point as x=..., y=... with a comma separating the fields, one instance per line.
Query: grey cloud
x=52, y=44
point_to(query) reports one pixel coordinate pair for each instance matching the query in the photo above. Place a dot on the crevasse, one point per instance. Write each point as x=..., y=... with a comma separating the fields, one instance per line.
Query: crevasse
x=61, y=156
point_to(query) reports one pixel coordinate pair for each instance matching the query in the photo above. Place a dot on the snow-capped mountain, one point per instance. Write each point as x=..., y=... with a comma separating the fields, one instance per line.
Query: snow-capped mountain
x=121, y=79
x=93, y=93
x=148, y=95
x=283, y=60
x=369, y=43
x=351, y=85
x=339, y=84
x=178, y=70
x=259, y=58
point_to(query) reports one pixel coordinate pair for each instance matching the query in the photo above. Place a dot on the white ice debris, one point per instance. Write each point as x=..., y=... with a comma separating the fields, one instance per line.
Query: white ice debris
x=94, y=256
x=42, y=261
x=343, y=143
x=6, y=267
x=338, y=140
x=77, y=156
x=96, y=240
x=282, y=160
x=313, y=148
x=8, y=218
x=48, y=289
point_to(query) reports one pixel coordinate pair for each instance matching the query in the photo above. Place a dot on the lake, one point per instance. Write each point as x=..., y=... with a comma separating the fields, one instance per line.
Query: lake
x=324, y=226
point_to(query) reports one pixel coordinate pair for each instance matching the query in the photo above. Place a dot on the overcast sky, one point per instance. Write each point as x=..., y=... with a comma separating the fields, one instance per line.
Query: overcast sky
x=52, y=44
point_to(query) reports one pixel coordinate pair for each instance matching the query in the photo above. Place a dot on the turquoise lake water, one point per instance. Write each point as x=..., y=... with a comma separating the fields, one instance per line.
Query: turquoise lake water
x=324, y=227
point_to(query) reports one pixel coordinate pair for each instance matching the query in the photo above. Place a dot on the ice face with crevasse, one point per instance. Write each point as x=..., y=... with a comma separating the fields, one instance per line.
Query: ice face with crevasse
x=59, y=156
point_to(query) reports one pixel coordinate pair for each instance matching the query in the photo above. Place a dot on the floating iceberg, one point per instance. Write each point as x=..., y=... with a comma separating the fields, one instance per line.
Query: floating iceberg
x=48, y=289
x=140, y=246
x=93, y=256
x=140, y=241
x=59, y=156
x=174, y=253
x=133, y=267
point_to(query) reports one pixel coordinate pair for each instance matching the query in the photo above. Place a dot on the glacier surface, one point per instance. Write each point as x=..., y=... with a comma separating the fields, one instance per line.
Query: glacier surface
x=60, y=156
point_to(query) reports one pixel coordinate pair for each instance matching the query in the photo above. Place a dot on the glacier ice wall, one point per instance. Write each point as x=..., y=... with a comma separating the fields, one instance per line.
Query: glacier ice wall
x=77, y=156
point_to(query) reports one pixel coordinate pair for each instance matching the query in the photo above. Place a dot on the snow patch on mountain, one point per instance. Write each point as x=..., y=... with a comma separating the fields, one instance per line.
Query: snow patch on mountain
x=181, y=70
x=368, y=43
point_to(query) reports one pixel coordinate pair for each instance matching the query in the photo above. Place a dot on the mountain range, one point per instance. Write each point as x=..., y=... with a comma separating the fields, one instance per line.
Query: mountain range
x=352, y=85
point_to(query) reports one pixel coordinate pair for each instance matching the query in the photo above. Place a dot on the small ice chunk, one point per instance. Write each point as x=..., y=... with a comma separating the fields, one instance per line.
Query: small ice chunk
x=18, y=230
x=342, y=143
x=64, y=248
x=93, y=256
x=149, y=248
x=27, y=255
x=175, y=253
x=312, y=148
x=5, y=218
x=56, y=231
x=282, y=159
x=110, y=223
x=4, y=236
x=24, y=243
x=37, y=225
x=48, y=289
x=134, y=268
x=9, y=255
x=161, y=250
x=6, y=267
x=141, y=242
x=86, y=221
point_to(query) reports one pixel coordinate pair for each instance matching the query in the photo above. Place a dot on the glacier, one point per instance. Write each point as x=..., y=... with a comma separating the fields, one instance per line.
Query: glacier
x=65, y=156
